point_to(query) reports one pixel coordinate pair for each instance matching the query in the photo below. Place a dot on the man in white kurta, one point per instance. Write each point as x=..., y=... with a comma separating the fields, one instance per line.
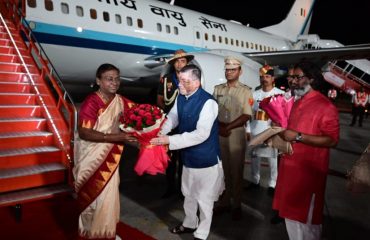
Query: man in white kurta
x=195, y=114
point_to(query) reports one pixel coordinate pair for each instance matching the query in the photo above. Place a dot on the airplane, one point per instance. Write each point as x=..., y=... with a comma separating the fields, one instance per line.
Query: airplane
x=139, y=36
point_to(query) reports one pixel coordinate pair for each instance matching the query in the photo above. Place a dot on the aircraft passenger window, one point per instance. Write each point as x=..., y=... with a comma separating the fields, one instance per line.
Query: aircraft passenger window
x=237, y=43
x=118, y=18
x=31, y=3
x=213, y=38
x=226, y=40
x=159, y=27
x=65, y=8
x=232, y=41
x=176, y=30
x=129, y=21
x=252, y=46
x=219, y=39
x=168, y=29
x=256, y=46
x=246, y=44
x=79, y=11
x=206, y=36
x=140, y=23
x=242, y=44
x=260, y=47
x=106, y=16
x=49, y=5
x=93, y=14
x=198, y=35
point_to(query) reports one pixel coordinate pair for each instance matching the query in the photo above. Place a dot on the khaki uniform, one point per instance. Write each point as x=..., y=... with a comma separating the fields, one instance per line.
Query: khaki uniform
x=233, y=102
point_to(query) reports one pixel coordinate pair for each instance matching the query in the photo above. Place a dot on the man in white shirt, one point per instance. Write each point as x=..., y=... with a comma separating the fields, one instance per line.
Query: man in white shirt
x=258, y=124
x=195, y=114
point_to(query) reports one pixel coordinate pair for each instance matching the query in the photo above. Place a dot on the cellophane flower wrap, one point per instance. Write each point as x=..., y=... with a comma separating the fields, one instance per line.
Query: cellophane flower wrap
x=144, y=121
x=278, y=108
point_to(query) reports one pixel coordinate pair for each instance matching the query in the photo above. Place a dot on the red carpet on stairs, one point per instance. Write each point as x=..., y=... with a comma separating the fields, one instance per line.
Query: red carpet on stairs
x=55, y=219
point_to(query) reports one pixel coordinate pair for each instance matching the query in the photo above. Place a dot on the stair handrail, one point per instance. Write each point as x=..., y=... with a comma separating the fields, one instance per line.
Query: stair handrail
x=52, y=75
x=347, y=75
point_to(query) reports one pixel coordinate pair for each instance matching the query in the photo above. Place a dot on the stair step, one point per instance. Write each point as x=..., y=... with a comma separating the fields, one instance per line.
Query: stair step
x=23, y=157
x=7, y=42
x=14, y=58
x=22, y=124
x=17, y=77
x=17, y=67
x=34, y=194
x=18, y=98
x=11, y=140
x=32, y=176
x=12, y=87
x=5, y=35
x=20, y=111
x=12, y=50
x=10, y=27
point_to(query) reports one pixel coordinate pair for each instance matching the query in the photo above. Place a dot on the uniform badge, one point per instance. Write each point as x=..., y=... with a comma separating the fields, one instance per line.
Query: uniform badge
x=169, y=86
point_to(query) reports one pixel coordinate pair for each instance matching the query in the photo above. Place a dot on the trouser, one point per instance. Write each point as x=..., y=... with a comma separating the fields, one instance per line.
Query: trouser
x=203, y=224
x=233, y=156
x=358, y=112
x=304, y=231
x=255, y=169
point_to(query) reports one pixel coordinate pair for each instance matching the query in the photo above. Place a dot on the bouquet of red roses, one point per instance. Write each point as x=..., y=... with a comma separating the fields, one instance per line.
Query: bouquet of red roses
x=278, y=108
x=144, y=122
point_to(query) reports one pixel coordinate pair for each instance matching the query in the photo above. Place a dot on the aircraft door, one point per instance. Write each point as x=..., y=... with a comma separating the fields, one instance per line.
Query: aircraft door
x=197, y=38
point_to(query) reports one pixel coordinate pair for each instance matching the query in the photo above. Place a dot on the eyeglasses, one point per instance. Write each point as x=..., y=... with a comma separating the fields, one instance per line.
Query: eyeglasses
x=296, y=76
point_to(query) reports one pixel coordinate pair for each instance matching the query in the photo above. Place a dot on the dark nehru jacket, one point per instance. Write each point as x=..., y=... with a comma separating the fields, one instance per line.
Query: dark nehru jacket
x=204, y=154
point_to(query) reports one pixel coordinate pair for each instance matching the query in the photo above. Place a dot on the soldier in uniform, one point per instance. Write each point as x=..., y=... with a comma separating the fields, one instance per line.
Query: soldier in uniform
x=166, y=95
x=234, y=101
x=258, y=124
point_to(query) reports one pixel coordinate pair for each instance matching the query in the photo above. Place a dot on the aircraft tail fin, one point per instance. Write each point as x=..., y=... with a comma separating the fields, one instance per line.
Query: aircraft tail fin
x=296, y=23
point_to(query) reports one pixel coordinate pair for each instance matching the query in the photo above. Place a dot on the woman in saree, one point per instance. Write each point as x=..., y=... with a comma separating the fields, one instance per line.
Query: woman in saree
x=98, y=149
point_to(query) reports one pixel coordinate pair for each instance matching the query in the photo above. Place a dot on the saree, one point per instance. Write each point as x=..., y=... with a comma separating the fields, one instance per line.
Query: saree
x=95, y=170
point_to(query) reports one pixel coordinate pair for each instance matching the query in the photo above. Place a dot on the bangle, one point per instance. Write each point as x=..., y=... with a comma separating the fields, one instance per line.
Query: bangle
x=105, y=137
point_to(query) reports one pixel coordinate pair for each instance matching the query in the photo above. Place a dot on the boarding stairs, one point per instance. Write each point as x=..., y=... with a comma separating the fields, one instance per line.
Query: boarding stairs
x=37, y=121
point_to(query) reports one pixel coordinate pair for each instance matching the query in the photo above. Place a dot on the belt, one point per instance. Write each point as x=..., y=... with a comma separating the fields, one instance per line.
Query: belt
x=261, y=115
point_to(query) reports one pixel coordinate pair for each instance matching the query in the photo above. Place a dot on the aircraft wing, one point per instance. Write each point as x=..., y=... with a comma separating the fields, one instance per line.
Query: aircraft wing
x=319, y=56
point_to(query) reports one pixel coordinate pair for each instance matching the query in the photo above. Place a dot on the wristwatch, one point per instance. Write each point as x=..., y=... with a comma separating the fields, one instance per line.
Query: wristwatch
x=298, y=137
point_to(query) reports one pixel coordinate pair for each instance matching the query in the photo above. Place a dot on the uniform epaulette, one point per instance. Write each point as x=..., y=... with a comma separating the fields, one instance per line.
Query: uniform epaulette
x=245, y=85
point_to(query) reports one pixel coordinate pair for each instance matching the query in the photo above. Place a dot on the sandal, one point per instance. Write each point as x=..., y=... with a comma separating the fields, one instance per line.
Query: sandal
x=181, y=229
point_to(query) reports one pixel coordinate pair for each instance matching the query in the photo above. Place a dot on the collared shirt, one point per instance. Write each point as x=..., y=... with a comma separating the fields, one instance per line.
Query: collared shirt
x=233, y=101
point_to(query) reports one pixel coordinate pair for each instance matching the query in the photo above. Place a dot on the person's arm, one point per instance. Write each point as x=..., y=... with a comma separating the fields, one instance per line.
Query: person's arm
x=91, y=135
x=205, y=122
x=171, y=120
x=312, y=140
x=160, y=93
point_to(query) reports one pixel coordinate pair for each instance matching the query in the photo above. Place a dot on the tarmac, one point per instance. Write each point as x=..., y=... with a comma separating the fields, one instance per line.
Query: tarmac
x=346, y=215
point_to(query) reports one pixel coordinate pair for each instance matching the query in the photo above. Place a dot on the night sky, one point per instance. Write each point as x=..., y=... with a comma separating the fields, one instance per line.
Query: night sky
x=347, y=22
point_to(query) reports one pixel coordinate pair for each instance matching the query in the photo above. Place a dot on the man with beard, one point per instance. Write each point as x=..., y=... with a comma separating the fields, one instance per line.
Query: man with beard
x=260, y=123
x=313, y=128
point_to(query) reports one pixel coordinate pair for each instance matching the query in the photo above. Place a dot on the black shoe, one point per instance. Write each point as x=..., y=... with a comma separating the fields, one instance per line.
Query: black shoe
x=271, y=191
x=180, y=229
x=252, y=186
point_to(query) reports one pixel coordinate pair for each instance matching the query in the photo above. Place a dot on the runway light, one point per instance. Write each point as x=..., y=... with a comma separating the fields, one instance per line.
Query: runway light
x=79, y=29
